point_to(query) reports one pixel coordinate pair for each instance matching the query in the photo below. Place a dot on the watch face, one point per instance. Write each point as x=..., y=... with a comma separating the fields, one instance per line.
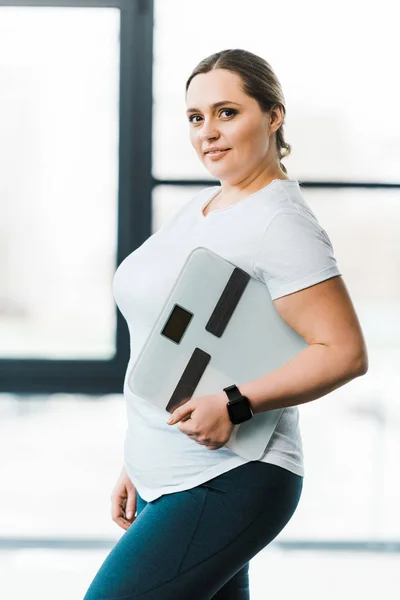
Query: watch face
x=241, y=411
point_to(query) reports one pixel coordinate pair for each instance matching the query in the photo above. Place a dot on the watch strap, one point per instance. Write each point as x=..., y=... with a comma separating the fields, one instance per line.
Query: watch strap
x=233, y=393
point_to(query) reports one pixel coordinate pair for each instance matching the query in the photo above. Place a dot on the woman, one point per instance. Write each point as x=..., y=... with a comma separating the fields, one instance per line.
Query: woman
x=202, y=512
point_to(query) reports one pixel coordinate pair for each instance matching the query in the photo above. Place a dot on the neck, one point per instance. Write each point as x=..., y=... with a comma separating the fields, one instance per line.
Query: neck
x=231, y=192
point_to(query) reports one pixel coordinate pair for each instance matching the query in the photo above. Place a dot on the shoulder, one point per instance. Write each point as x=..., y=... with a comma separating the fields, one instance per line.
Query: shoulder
x=281, y=197
x=287, y=194
x=294, y=252
x=295, y=234
x=288, y=212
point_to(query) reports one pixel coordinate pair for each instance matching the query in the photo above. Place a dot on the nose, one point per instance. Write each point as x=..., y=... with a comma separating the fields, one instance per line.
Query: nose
x=208, y=132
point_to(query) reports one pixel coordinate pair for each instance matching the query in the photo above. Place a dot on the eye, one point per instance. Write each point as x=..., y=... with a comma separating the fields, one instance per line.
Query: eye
x=231, y=110
x=224, y=110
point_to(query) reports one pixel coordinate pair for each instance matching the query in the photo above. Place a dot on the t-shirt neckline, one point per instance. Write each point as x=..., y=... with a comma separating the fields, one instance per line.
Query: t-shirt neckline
x=217, y=188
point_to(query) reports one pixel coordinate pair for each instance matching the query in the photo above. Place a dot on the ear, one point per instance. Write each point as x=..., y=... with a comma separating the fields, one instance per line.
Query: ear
x=277, y=115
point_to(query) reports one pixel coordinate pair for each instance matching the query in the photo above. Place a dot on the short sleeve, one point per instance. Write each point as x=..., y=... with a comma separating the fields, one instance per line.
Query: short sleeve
x=295, y=252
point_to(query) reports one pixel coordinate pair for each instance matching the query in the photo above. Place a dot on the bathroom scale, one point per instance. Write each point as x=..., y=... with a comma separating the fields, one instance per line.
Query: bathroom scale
x=218, y=327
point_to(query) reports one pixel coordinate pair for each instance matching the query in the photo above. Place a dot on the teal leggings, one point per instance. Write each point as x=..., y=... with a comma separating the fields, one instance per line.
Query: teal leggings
x=197, y=544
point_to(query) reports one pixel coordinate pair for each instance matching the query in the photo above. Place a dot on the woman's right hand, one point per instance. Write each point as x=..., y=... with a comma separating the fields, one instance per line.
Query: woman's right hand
x=123, y=501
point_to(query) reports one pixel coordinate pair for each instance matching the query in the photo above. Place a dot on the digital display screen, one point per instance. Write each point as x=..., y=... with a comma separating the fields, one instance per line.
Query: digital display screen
x=177, y=324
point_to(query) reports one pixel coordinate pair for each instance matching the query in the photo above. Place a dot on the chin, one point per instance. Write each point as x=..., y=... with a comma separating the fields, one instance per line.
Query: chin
x=216, y=174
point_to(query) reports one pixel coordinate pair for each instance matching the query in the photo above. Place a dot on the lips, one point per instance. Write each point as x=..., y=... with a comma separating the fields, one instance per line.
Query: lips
x=216, y=150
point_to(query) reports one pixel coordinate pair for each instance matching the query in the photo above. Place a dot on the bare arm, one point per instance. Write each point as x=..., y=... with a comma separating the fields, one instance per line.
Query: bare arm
x=324, y=316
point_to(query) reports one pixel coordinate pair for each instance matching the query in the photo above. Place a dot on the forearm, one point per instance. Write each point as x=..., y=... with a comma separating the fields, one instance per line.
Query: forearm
x=314, y=372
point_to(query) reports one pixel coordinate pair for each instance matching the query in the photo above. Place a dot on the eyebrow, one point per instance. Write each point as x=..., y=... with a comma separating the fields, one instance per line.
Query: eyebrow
x=215, y=105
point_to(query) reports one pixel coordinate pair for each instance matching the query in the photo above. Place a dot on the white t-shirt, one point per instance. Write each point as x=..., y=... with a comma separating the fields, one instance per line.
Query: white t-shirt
x=271, y=234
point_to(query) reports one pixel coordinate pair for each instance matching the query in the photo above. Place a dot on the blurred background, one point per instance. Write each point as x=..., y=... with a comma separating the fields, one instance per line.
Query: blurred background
x=94, y=157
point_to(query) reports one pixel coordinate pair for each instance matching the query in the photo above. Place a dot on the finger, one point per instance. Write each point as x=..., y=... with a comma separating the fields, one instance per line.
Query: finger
x=187, y=428
x=214, y=446
x=124, y=523
x=118, y=514
x=179, y=413
x=130, y=508
x=117, y=506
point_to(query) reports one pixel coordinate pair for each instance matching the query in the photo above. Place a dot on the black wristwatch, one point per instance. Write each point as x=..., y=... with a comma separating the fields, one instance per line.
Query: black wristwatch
x=239, y=407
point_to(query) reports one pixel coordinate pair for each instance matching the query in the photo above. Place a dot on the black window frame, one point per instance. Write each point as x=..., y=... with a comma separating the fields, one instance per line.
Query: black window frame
x=26, y=377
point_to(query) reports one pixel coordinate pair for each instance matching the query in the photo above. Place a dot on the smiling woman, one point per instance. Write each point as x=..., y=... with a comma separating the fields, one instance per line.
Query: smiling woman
x=239, y=138
x=203, y=511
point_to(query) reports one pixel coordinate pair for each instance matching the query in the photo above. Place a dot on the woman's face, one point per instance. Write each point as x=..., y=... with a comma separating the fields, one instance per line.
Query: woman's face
x=237, y=123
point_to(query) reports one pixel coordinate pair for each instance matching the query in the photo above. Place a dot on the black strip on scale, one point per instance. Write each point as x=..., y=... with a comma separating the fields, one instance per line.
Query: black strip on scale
x=228, y=301
x=190, y=379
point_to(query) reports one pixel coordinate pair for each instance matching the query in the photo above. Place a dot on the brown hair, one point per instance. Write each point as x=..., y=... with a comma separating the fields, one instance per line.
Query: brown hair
x=259, y=82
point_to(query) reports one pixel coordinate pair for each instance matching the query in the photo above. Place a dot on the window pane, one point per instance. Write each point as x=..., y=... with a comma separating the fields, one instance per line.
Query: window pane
x=333, y=74
x=59, y=76
x=351, y=437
